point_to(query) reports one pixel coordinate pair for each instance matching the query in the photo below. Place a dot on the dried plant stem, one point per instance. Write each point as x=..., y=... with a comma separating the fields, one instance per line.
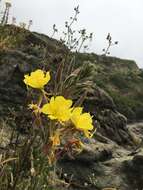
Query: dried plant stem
x=28, y=148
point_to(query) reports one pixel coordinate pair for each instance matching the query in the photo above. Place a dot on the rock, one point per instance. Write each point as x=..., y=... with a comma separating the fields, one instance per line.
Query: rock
x=98, y=99
x=117, y=170
x=134, y=172
x=113, y=125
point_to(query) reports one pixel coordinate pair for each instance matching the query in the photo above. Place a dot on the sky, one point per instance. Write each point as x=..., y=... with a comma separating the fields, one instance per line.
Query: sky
x=123, y=19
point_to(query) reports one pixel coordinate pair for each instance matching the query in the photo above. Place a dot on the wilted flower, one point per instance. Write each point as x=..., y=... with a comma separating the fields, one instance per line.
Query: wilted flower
x=33, y=172
x=37, y=79
x=82, y=121
x=59, y=108
x=55, y=139
x=34, y=107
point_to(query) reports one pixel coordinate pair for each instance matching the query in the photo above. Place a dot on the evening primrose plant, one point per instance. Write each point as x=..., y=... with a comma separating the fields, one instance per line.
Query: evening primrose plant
x=54, y=124
x=63, y=125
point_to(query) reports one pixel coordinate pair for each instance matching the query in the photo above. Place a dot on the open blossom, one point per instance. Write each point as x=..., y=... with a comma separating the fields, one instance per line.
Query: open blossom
x=82, y=121
x=37, y=79
x=58, y=108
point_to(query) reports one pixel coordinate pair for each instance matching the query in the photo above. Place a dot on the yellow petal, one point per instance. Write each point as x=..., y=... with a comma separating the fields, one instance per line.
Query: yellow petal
x=77, y=110
x=46, y=109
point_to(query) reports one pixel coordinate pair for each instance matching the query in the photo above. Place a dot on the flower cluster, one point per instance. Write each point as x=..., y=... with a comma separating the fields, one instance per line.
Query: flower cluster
x=68, y=120
x=60, y=109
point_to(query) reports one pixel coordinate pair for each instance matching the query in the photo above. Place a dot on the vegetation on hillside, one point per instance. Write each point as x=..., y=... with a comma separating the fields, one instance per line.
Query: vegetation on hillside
x=58, y=125
x=122, y=79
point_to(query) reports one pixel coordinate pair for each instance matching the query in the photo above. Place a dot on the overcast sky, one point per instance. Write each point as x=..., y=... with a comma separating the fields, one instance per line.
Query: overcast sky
x=122, y=18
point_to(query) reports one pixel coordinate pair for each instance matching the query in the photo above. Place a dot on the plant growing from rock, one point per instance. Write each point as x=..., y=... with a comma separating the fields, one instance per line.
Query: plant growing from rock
x=65, y=123
x=58, y=128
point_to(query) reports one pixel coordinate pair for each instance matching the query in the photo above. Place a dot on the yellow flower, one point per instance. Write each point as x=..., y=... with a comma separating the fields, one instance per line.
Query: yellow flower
x=59, y=108
x=82, y=121
x=37, y=79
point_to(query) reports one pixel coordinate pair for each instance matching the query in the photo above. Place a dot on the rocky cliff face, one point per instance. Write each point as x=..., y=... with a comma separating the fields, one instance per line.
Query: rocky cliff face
x=109, y=160
x=123, y=81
